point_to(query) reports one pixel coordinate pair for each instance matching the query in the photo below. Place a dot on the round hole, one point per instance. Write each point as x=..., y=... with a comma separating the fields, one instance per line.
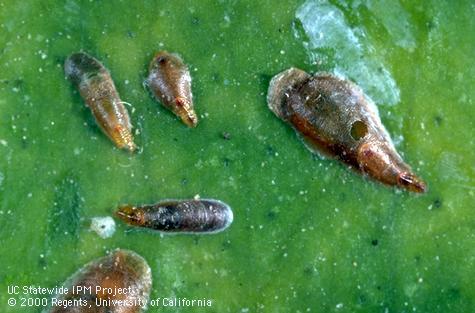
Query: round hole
x=358, y=130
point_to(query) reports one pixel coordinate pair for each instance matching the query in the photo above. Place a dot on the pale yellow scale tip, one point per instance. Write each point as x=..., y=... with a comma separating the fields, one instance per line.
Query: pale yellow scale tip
x=411, y=182
x=130, y=214
x=128, y=145
x=131, y=146
x=189, y=118
x=123, y=139
x=185, y=111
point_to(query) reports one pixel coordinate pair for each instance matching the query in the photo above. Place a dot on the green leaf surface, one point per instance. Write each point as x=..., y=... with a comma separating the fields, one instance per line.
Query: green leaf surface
x=308, y=235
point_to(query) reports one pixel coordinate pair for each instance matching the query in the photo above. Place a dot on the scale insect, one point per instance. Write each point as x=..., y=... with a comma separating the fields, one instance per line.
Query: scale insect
x=179, y=216
x=170, y=82
x=97, y=89
x=99, y=284
x=333, y=116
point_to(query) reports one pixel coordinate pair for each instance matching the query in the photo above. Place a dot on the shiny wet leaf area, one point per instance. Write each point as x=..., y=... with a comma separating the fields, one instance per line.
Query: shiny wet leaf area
x=308, y=235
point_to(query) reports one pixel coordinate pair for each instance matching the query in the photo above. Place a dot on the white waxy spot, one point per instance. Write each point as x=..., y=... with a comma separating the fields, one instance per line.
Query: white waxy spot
x=104, y=226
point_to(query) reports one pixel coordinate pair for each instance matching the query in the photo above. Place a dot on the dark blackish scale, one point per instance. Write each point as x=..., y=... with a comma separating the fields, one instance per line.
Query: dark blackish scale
x=179, y=216
x=333, y=116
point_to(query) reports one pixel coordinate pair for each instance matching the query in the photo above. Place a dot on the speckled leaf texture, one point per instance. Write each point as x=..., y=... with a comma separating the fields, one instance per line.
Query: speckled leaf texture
x=308, y=235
